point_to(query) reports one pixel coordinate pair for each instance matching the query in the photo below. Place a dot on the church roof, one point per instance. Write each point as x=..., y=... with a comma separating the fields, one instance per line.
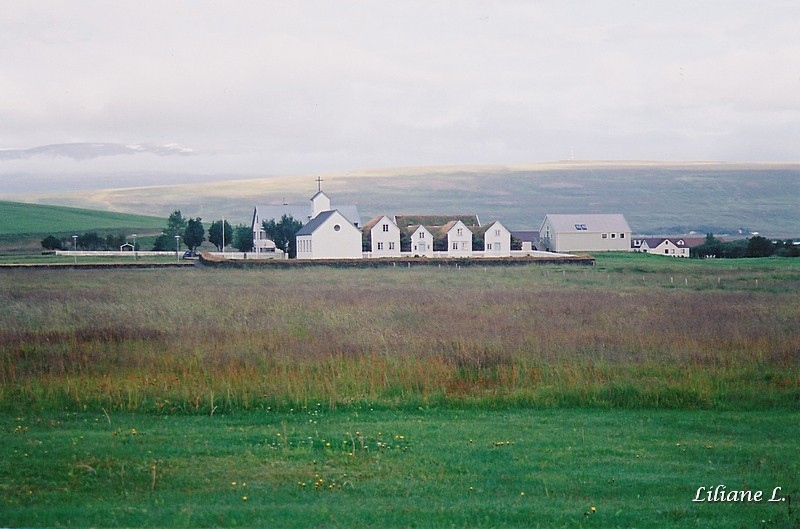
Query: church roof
x=302, y=212
x=315, y=223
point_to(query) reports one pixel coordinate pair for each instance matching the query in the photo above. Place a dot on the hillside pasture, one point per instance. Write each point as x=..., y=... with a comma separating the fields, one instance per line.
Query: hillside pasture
x=23, y=225
x=656, y=198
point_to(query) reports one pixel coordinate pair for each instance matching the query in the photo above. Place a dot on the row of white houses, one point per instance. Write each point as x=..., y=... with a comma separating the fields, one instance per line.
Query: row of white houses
x=335, y=232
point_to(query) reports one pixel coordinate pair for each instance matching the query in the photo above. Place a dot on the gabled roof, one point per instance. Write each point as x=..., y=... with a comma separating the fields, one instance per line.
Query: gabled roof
x=413, y=229
x=680, y=242
x=596, y=223
x=375, y=220
x=302, y=212
x=483, y=229
x=444, y=230
x=316, y=222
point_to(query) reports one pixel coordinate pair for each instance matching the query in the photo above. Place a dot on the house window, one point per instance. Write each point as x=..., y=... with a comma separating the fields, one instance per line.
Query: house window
x=385, y=227
x=488, y=246
x=380, y=246
x=666, y=251
x=613, y=235
x=422, y=235
x=581, y=227
x=391, y=246
x=459, y=231
x=621, y=235
x=455, y=246
x=336, y=227
x=497, y=233
x=605, y=236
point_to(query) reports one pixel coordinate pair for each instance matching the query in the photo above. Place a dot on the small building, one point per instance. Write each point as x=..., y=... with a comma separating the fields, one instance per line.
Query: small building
x=459, y=239
x=585, y=233
x=496, y=240
x=421, y=242
x=670, y=246
x=384, y=236
x=329, y=235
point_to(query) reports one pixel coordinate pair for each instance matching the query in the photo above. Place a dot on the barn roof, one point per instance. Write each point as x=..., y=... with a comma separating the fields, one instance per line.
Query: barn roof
x=597, y=223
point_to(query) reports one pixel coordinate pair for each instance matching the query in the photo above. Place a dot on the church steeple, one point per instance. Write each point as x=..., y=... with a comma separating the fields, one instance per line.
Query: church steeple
x=320, y=201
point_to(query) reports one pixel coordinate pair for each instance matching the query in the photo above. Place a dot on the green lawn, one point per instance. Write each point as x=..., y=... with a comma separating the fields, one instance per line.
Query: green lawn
x=424, y=468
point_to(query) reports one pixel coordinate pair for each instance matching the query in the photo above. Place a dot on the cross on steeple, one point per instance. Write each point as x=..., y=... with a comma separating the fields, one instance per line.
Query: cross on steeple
x=319, y=184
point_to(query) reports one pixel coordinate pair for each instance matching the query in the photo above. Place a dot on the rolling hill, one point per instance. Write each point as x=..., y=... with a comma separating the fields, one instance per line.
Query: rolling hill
x=23, y=225
x=656, y=198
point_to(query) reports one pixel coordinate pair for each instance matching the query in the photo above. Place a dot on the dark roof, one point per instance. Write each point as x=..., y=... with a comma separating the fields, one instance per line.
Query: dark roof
x=435, y=221
x=302, y=212
x=688, y=242
x=315, y=223
x=526, y=235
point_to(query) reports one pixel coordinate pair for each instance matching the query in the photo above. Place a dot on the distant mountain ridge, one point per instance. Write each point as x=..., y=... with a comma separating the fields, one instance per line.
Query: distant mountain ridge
x=87, y=151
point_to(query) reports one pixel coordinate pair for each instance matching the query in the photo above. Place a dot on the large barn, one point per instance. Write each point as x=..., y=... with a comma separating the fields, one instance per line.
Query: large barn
x=585, y=233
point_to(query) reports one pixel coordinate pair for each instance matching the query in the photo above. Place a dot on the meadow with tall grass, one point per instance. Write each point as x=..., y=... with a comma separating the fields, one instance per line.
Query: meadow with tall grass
x=628, y=333
x=526, y=396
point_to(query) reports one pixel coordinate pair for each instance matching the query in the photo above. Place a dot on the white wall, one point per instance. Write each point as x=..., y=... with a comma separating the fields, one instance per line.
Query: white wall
x=497, y=241
x=459, y=244
x=328, y=242
x=385, y=243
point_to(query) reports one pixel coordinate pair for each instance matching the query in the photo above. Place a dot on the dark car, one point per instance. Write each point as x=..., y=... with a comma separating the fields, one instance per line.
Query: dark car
x=190, y=254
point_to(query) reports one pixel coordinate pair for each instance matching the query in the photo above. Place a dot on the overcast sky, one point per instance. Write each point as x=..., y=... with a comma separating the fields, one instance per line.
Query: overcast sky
x=268, y=87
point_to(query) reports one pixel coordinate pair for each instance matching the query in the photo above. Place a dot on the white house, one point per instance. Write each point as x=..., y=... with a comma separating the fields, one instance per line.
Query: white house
x=496, y=240
x=421, y=242
x=329, y=235
x=459, y=239
x=585, y=233
x=671, y=246
x=384, y=236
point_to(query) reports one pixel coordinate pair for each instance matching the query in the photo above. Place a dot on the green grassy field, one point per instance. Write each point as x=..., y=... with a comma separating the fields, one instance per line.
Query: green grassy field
x=430, y=467
x=422, y=397
x=19, y=218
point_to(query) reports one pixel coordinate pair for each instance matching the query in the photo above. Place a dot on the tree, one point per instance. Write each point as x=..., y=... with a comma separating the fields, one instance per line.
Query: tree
x=282, y=233
x=164, y=243
x=217, y=236
x=194, y=234
x=711, y=247
x=113, y=242
x=758, y=246
x=176, y=224
x=478, y=242
x=91, y=241
x=51, y=243
x=243, y=238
